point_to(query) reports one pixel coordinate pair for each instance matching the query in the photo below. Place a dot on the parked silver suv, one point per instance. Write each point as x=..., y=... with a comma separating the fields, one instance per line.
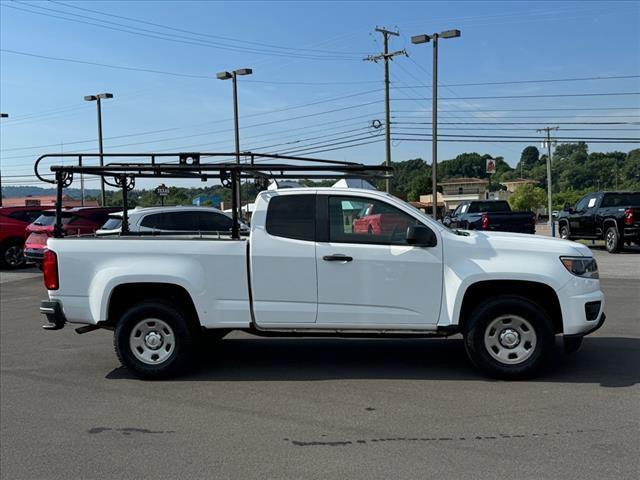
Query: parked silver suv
x=172, y=219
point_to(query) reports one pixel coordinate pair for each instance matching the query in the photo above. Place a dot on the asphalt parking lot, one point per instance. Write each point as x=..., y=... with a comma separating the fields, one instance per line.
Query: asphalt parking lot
x=311, y=408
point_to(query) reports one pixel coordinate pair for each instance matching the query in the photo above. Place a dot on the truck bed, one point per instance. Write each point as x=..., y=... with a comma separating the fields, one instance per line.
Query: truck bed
x=212, y=269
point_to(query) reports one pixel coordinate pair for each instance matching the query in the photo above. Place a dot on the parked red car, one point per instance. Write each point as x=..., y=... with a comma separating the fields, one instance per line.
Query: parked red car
x=75, y=221
x=13, y=225
x=377, y=219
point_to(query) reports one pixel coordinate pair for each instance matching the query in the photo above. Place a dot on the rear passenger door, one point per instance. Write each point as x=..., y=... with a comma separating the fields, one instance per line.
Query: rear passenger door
x=283, y=261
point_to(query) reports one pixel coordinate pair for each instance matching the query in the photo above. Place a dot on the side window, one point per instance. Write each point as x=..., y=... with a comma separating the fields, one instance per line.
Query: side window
x=592, y=202
x=456, y=211
x=215, y=222
x=186, y=221
x=464, y=208
x=155, y=221
x=292, y=216
x=385, y=225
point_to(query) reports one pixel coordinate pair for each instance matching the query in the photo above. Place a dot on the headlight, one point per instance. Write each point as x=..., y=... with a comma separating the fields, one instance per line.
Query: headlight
x=585, y=267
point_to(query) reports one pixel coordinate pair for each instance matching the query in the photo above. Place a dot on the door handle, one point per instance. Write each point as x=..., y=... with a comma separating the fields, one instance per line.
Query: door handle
x=337, y=258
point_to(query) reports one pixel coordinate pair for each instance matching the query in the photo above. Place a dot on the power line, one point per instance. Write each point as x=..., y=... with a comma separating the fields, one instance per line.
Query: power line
x=168, y=27
x=553, y=95
x=519, y=82
x=97, y=64
x=105, y=24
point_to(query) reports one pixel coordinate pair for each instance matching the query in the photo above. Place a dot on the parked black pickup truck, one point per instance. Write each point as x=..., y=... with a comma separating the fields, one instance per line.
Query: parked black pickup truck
x=494, y=215
x=610, y=216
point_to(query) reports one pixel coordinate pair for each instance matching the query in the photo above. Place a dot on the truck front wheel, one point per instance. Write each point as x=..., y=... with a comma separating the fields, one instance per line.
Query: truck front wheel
x=153, y=340
x=508, y=337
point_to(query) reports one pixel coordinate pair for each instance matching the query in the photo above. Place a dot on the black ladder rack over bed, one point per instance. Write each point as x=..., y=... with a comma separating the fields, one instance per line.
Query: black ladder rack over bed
x=122, y=174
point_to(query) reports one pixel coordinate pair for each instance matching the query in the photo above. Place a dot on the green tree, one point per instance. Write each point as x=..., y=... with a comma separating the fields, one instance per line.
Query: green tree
x=527, y=197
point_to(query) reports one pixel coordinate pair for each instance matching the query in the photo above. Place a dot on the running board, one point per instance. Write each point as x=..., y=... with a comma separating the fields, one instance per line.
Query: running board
x=354, y=333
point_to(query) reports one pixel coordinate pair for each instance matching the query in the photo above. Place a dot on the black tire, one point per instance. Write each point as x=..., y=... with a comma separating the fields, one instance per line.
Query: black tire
x=11, y=254
x=564, y=231
x=517, y=308
x=182, y=340
x=612, y=241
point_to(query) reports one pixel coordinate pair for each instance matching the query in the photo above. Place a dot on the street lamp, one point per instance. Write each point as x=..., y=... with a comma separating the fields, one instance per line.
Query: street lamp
x=97, y=98
x=434, y=107
x=2, y=115
x=234, y=76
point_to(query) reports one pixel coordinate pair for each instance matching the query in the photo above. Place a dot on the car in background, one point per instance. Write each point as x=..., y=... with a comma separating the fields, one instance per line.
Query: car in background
x=379, y=220
x=75, y=221
x=13, y=227
x=493, y=215
x=171, y=219
x=610, y=216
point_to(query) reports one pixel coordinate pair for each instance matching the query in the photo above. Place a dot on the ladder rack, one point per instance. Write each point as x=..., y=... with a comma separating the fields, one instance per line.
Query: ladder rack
x=225, y=167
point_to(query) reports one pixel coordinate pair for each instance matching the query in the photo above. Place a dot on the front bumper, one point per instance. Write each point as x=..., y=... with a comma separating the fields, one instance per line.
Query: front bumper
x=593, y=328
x=55, y=316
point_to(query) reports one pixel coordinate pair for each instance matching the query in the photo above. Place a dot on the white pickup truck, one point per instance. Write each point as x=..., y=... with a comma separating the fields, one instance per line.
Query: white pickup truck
x=328, y=262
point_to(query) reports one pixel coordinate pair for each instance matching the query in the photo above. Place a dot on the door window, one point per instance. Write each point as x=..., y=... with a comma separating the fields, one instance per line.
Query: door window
x=186, y=221
x=360, y=220
x=214, y=222
x=292, y=216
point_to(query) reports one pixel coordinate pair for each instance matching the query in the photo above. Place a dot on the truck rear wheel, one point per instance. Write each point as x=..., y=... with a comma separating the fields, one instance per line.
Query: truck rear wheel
x=508, y=337
x=612, y=240
x=153, y=340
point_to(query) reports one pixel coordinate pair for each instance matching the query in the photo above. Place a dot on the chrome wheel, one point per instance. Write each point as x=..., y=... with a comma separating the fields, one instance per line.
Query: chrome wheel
x=152, y=341
x=564, y=233
x=510, y=339
x=611, y=240
x=13, y=256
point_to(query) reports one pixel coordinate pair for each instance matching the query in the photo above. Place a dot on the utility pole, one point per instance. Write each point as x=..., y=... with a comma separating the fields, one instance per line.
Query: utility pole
x=2, y=115
x=385, y=56
x=548, y=142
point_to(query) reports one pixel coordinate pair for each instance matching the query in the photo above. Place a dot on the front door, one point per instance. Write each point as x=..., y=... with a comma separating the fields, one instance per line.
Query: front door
x=368, y=276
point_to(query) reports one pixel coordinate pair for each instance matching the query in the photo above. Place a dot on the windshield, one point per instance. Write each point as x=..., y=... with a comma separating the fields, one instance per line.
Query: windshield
x=113, y=223
x=490, y=206
x=48, y=219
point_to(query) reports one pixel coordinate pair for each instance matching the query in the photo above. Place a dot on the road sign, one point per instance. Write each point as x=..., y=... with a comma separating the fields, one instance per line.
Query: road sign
x=491, y=165
x=162, y=190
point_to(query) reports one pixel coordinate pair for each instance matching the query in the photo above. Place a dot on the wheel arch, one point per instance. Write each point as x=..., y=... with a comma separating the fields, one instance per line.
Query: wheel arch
x=125, y=295
x=536, y=292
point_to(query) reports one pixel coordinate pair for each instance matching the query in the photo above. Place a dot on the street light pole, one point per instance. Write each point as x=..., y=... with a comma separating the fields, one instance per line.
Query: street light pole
x=418, y=39
x=233, y=76
x=97, y=98
x=2, y=115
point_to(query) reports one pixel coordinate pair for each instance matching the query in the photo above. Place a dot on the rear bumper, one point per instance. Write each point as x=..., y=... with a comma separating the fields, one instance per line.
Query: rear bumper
x=631, y=233
x=34, y=255
x=55, y=316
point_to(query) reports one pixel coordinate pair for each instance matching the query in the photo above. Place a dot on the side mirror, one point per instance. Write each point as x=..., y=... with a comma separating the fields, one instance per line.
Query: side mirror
x=568, y=208
x=421, y=236
x=446, y=220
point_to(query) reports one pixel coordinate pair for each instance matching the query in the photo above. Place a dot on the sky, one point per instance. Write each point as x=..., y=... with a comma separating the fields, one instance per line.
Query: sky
x=311, y=92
